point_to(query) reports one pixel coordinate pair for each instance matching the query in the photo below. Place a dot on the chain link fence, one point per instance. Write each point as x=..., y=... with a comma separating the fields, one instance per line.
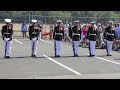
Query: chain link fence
x=48, y=20
x=52, y=19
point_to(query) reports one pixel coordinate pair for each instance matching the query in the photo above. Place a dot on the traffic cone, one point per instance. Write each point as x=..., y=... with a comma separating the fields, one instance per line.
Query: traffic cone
x=44, y=35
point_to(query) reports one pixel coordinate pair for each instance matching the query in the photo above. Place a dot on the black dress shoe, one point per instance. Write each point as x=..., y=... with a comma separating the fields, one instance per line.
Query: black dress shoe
x=58, y=56
x=76, y=55
x=8, y=57
x=109, y=55
x=92, y=55
x=34, y=56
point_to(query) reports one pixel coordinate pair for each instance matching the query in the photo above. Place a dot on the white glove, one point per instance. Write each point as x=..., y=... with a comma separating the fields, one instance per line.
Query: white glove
x=35, y=27
x=34, y=39
x=7, y=39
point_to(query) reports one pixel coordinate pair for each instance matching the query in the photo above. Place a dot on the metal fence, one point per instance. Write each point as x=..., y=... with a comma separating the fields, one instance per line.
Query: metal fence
x=52, y=19
x=47, y=20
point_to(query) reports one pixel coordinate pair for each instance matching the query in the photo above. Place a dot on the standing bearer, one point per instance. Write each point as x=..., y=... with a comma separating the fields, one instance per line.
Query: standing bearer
x=58, y=36
x=40, y=29
x=109, y=35
x=100, y=35
x=24, y=29
x=34, y=34
x=117, y=37
x=51, y=31
x=92, y=36
x=76, y=37
x=7, y=32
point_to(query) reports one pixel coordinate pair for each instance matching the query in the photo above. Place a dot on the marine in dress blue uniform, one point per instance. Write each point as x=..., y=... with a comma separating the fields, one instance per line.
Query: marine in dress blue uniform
x=34, y=35
x=109, y=35
x=7, y=32
x=92, y=36
x=58, y=36
x=76, y=34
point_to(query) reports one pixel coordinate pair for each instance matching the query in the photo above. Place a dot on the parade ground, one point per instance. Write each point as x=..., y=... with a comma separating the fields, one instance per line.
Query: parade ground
x=46, y=66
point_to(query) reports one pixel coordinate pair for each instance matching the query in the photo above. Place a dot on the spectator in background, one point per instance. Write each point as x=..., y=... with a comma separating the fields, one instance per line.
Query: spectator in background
x=70, y=31
x=51, y=31
x=83, y=34
x=24, y=29
x=117, y=37
x=66, y=34
x=40, y=29
x=67, y=24
x=109, y=36
x=100, y=35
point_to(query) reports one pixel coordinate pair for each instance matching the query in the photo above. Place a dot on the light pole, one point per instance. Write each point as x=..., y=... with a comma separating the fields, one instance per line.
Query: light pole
x=45, y=24
x=45, y=21
x=29, y=16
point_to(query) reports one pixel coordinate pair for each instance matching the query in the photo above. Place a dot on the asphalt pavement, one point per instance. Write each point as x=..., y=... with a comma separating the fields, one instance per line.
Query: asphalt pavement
x=46, y=66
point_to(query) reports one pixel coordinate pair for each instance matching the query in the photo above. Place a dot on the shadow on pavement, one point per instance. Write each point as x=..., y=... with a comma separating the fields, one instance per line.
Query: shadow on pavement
x=23, y=57
x=101, y=55
x=28, y=57
x=117, y=59
x=69, y=56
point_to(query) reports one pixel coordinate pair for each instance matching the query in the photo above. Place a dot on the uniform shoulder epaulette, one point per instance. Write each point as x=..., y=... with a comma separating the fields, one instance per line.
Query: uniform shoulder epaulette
x=30, y=26
x=56, y=26
x=3, y=26
x=73, y=26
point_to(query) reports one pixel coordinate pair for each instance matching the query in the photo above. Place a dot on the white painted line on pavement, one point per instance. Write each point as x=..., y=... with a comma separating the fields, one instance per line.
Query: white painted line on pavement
x=47, y=41
x=18, y=41
x=108, y=60
x=62, y=65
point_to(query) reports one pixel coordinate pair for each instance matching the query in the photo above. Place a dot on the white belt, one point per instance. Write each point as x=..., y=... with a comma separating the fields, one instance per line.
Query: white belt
x=110, y=34
x=6, y=33
x=34, y=33
x=59, y=33
x=6, y=39
x=34, y=39
x=92, y=34
x=76, y=34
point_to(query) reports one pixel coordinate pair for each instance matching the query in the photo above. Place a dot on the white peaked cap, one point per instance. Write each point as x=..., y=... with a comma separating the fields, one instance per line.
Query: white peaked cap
x=111, y=21
x=93, y=22
x=8, y=20
x=34, y=21
x=77, y=21
x=99, y=24
x=59, y=21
